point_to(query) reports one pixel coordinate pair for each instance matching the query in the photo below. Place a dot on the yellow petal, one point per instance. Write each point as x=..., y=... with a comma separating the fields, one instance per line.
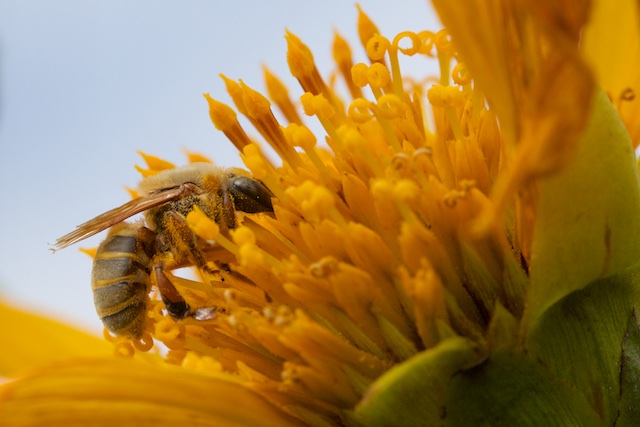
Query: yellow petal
x=524, y=58
x=611, y=45
x=29, y=340
x=479, y=34
x=128, y=393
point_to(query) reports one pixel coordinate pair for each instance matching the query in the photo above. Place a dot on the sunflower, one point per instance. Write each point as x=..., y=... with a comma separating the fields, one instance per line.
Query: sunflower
x=458, y=250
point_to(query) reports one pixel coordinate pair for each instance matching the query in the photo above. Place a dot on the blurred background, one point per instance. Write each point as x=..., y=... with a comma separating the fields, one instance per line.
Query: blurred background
x=84, y=85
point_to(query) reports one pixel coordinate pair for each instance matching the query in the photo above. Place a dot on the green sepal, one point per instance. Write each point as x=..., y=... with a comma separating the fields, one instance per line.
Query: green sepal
x=413, y=392
x=510, y=389
x=580, y=339
x=503, y=329
x=588, y=215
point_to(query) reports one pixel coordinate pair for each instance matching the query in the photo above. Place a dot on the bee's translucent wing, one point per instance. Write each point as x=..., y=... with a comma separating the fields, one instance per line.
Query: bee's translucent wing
x=119, y=214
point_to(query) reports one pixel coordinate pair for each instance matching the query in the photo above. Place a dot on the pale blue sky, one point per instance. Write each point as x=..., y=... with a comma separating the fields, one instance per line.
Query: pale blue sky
x=83, y=85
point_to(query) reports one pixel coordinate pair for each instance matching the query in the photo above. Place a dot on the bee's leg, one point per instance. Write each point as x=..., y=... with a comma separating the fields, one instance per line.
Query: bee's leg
x=228, y=212
x=177, y=307
x=183, y=239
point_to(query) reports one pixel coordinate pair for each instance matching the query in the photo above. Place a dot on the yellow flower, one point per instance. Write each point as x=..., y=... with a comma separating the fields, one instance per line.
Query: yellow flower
x=464, y=253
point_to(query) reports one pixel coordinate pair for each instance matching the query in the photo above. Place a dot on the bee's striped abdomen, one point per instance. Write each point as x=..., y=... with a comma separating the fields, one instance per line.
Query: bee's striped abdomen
x=120, y=279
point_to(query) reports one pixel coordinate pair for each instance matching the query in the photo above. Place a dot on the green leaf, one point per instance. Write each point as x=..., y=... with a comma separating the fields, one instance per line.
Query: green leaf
x=629, y=404
x=510, y=389
x=588, y=216
x=581, y=338
x=413, y=392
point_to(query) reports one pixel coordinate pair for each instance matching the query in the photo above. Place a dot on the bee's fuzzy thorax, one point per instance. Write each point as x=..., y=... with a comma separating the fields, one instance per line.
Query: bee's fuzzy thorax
x=170, y=178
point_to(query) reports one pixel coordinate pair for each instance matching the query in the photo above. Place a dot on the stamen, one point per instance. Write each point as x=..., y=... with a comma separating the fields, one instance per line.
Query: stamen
x=378, y=76
x=427, y=39
x=359, y=74
x=343, y=59
x=89, y=251
x=145, y=343
x=377, y=47
x=430, y=305
x=366, y=27
x=261, y=168
x=301, y=136
x=355, y=143
x=301, y=63
x=235, y=92
x=133, y=193
x=445, y=53
x=225, y=120
x=390, y=107
x=448, y=97
x=320, y=204
x=124, y=349
x=155, y=165
x=279, y=94
x=258, y=109
x=423, y=164
x=193, y=157
x=416, y=43
x=170, y=333
x=385, y=108
x=460, y=74
x=360, y=110
x=318, y=105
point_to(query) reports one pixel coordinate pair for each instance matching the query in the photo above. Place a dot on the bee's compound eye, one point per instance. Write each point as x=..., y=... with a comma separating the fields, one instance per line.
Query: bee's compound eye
x=250, y=195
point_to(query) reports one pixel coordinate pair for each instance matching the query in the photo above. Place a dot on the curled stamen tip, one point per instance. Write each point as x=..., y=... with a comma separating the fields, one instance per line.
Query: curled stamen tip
x=324, y=268
x=377, y=47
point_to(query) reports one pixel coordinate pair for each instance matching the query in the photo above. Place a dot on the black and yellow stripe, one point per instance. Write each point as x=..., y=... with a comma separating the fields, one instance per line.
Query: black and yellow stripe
x=120, y=280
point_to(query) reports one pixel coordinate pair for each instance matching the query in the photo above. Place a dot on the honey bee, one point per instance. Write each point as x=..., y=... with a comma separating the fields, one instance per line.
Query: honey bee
x=133, y=252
